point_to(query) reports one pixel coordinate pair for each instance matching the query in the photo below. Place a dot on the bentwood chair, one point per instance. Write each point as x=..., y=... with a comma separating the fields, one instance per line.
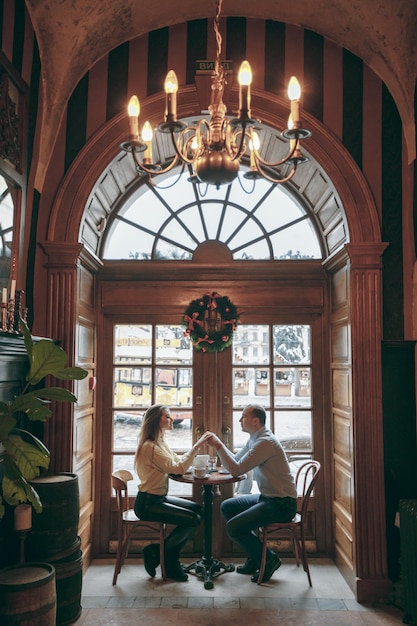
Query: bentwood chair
x=306, y=478
x=128, y=521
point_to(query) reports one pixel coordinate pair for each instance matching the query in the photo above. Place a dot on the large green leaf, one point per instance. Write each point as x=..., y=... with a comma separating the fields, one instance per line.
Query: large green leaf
x=16, y=489
x=71, y=373
x=7, y=423
x=27, y=457
x=36, y=403
x=34, y=440
x=27, y=337
x=60, y=394
x=47, y=358
x=35, y=408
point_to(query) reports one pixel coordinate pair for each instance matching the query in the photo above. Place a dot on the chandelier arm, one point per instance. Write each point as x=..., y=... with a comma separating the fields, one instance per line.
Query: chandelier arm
x=179, y=154
x=259, y=159
x=277, y=180
x=153, y=169
x=242, y=146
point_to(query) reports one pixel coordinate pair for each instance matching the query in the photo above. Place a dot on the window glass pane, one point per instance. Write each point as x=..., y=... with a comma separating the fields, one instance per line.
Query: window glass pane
x=292, y=386
x=259, y=250
x=296, y=242
x=172, y=346
x=192, y=219
x=232, y=218
x=294, y=430
x=251, y=344
x=132, y=387
x=291, y=343
x=285, y=211
x=177, y=234
x=132, y=344
x=212, y=213
x=166, y=388
x=123, y=241
x=126, y=427
x=246, y=233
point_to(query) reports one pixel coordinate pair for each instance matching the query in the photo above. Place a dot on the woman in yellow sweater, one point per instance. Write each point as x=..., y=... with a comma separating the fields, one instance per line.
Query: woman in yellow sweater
x=154, y=461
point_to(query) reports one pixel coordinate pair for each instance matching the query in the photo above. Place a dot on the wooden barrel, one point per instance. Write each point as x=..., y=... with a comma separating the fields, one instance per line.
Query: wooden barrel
x=28, y=595
x=56, y=528
x=68, y=572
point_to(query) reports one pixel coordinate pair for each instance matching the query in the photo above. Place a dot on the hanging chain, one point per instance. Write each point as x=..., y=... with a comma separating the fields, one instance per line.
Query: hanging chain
x=218, y=70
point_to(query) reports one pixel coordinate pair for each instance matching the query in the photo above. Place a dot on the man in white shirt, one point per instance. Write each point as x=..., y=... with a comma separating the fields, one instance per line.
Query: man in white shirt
x=277, y=500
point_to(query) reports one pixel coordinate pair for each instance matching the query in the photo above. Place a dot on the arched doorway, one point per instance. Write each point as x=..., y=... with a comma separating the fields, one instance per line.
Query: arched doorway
x=350, y=265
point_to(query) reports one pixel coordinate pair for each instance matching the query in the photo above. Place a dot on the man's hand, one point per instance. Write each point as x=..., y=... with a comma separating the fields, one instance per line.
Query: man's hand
x=213, y=440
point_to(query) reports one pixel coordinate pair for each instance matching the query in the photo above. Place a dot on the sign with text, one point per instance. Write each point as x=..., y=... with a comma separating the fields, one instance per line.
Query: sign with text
x=208, y=67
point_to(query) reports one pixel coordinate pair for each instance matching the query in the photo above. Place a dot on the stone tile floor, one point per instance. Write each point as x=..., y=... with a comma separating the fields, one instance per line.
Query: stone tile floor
x=234, y=600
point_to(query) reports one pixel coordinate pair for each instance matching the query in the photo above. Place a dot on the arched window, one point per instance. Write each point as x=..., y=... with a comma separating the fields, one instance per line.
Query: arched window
x=170, y=219
x=6, y=232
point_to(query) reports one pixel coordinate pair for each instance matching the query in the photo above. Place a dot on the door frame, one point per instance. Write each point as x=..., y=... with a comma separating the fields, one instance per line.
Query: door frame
x=140, y=292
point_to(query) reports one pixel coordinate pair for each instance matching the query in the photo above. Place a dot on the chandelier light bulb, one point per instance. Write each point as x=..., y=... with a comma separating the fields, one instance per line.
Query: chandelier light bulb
x=294, y=94
x=171, y=82
x=245, y=79
x=254, y=142
x=245, y=74
x=171, y=88
x=133, y=110
x=147, y=136
x=254, y=145
x=147, y=132
x=195, y=144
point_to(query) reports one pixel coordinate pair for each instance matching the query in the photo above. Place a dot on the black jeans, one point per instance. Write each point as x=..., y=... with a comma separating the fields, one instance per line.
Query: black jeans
x=184, y=514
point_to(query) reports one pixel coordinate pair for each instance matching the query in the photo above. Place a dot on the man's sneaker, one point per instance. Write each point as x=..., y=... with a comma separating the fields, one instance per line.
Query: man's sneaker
x=250, y=567
x=271, y=566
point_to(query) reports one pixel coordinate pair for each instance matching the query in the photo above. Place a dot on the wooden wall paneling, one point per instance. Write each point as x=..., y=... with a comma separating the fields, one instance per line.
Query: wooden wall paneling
x=85, y=410
x=365, y=287
x=341, y=412
x=62, y=280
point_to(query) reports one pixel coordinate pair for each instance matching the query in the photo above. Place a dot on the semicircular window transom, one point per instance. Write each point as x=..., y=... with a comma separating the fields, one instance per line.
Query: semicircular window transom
x=170, y=221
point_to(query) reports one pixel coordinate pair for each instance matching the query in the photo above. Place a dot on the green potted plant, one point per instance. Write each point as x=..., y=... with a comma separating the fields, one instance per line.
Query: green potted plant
x=23, y=455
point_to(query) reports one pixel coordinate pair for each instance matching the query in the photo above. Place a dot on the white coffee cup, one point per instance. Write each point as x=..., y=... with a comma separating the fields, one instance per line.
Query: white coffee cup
x=199, y=472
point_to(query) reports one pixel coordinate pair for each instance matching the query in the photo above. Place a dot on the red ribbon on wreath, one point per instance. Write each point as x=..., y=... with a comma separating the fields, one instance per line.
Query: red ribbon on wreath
x=212, y=303
x=192, y=320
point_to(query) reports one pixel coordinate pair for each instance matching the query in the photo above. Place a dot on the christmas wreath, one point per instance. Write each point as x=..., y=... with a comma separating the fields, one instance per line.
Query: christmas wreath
x=210, y=322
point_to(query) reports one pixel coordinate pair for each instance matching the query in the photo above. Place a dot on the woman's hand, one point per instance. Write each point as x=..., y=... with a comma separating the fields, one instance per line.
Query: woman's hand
x=200, y=442
x=213, y=440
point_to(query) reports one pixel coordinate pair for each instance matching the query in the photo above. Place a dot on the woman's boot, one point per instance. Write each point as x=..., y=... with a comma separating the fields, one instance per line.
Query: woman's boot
x=173, y=567
x=151, y=558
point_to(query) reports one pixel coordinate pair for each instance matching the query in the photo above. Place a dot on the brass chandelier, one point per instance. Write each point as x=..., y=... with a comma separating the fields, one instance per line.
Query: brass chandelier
x=214, y=149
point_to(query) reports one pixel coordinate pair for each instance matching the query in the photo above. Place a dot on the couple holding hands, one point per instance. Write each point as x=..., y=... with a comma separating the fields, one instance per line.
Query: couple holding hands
x=263, y=453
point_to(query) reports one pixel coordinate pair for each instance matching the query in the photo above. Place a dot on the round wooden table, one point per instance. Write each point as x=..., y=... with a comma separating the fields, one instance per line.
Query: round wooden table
x=208, y=567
